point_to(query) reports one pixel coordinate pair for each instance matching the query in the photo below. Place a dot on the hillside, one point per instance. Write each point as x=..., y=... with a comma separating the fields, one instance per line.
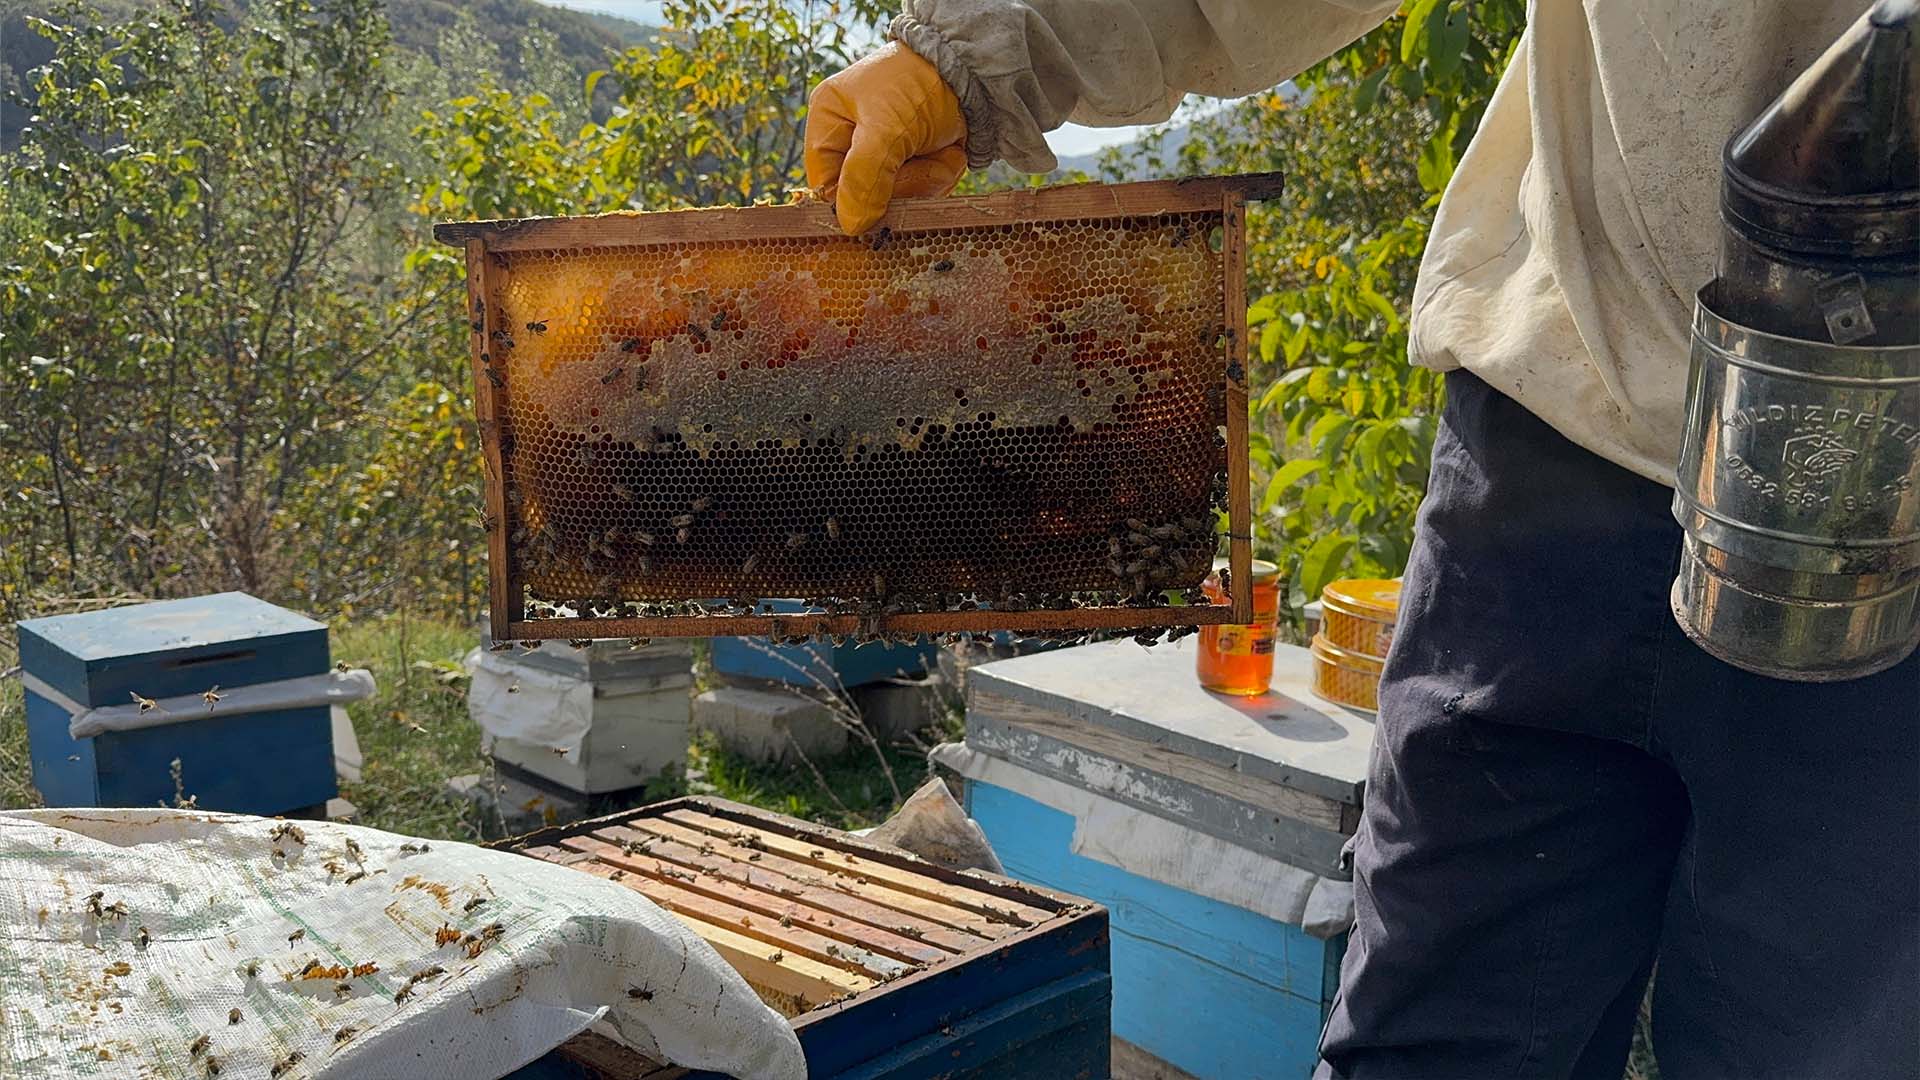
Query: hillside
x=418, y=26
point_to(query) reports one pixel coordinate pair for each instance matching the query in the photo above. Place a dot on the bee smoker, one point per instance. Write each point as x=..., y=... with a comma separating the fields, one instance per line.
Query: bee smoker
x=1799, y=479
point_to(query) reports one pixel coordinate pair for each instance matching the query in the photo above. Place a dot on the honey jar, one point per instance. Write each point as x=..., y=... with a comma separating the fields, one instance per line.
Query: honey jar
x=1239, y=659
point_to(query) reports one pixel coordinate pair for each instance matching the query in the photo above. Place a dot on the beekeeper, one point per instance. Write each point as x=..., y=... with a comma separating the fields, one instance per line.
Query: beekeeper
x=1564, y=786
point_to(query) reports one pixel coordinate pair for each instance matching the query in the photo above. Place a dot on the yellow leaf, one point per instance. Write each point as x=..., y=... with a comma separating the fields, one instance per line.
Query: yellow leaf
x=684, y=81
x=1324, y=267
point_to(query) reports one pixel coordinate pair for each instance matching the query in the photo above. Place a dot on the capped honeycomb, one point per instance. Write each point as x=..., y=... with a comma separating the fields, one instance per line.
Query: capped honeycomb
x=1026, y=409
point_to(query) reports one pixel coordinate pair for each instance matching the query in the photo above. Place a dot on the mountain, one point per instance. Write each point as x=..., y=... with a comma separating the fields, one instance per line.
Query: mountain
x=585, y=38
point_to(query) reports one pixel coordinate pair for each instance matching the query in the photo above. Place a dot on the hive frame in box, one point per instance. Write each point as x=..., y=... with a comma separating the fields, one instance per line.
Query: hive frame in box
x=483, y=240
x=1058, y=926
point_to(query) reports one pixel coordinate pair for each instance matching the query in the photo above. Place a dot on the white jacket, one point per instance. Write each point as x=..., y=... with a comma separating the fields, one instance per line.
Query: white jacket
x=1566, y=252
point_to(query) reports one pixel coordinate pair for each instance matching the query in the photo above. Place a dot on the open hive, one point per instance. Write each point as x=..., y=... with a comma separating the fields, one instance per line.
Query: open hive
x=1020, y=411
x=887, y=965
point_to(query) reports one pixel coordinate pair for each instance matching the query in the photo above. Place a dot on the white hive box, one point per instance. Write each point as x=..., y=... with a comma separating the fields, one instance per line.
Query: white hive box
x=622, y=715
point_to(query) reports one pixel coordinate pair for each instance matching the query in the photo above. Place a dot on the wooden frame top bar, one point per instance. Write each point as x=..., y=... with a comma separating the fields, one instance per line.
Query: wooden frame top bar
x=814, y=218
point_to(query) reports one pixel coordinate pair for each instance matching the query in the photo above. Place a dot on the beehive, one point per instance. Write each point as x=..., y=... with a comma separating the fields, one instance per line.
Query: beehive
x=1018, y=411
x=887, y=965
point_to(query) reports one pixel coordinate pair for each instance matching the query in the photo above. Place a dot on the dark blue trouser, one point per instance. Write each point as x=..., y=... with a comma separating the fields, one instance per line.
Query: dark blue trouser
x=1565, y=789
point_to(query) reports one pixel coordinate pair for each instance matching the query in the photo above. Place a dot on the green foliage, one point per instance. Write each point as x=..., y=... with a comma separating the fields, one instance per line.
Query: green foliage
x=1342, y=423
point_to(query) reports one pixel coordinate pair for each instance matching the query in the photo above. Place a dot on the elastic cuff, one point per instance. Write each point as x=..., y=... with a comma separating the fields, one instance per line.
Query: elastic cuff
x=983, y=120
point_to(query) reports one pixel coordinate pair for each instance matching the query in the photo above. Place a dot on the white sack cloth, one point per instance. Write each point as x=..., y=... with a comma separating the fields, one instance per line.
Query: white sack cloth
x=330, y=688
x=188, y=900
x=1121, y=835
x=532, y=705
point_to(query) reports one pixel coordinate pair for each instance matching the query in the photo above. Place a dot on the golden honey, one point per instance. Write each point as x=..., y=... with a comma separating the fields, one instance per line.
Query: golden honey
x=986, y=410
x=1239, y=659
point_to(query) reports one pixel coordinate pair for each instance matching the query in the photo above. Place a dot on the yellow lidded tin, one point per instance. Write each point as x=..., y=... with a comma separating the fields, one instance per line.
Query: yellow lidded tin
x=1359, y=615
x=1345, y=677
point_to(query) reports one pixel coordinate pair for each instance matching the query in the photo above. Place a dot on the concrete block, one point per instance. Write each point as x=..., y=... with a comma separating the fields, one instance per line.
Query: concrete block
x=897, y=707
x=765, y=724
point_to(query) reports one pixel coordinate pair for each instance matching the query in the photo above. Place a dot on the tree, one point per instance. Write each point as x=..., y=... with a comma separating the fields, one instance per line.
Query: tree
x=195, y=323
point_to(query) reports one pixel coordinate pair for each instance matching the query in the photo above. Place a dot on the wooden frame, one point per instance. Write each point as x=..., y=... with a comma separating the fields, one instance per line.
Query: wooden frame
x=483, y=240
x=771, y=954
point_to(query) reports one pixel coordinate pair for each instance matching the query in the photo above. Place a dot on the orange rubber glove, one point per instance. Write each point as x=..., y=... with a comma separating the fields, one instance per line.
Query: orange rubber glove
x=886, y=126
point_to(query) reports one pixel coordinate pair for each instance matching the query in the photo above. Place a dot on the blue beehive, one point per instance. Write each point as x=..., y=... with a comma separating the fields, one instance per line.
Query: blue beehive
x=835, y=666
x=257, y=763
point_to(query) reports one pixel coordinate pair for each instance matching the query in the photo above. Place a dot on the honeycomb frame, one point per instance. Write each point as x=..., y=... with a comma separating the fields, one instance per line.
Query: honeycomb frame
x=715, y=274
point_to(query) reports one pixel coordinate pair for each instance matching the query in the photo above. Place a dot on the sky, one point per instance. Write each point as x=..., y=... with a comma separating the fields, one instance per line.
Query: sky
x=1067, y=141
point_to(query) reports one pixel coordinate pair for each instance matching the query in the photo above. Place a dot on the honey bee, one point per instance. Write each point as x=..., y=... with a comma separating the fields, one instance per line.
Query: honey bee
x=345, y=1033
x=212, y=1065
x=880, y=238
x=285, y=1064
x=93, y=903
x=402, y=994
x=796, y=540
x=538, y=326
x=341, y=989
x=558, y=751
x=833, y=528
x=233, y=1016
x=142, y=939
x=646, y=565
x=748, y=567
x=341, y=666
x=943, y=266
x=493, y=376
x=1180, y=234
x=640, y=993
x=500, y=646
x=415, y=849
x=639, y=642
x=513, y=688
x=580, y=642
x=116, y=910
x=777, y=956
x=146, y=704
x=211, y=696
x=680, y=521
x=353, y=849
x=252, y=968
x=719, y=320
x=632, y=344
x=880, y=586
x=612, y=375
x=199, y=1045
x=355, y=876
x=474, y=903
x=642, y=536
x=487, y=521
x=444, y=935
x=296, y=936
x=682, y=535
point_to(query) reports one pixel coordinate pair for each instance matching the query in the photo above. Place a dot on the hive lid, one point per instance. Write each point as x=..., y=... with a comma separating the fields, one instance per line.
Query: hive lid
x=1832, y=167
x=1373, y=597
x=167, y=626
x=1151, y=697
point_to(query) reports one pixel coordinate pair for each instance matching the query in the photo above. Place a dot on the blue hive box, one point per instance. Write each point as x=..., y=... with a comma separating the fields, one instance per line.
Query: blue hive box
x=1211, y=827
x=258, y=763
x=835, y=666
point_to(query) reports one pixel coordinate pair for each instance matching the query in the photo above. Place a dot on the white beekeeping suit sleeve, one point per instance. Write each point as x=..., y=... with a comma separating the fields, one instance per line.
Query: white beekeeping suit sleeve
x=1021, y=69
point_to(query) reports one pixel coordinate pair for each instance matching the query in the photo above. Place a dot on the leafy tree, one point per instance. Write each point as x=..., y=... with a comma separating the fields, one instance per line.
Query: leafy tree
x=196, y=324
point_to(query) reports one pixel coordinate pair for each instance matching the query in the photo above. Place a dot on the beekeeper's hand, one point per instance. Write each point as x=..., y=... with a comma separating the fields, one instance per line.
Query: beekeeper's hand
x=886, y=126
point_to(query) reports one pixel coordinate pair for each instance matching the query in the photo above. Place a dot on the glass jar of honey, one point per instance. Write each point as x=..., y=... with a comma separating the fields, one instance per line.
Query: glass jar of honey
x=1239, y=659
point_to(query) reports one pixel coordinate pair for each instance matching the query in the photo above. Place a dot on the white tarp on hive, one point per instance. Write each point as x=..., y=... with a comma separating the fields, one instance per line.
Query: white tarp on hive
x=125, y=935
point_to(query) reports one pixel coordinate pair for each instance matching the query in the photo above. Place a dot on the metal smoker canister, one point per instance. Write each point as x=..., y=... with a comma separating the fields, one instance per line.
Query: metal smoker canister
x=1799, y=478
